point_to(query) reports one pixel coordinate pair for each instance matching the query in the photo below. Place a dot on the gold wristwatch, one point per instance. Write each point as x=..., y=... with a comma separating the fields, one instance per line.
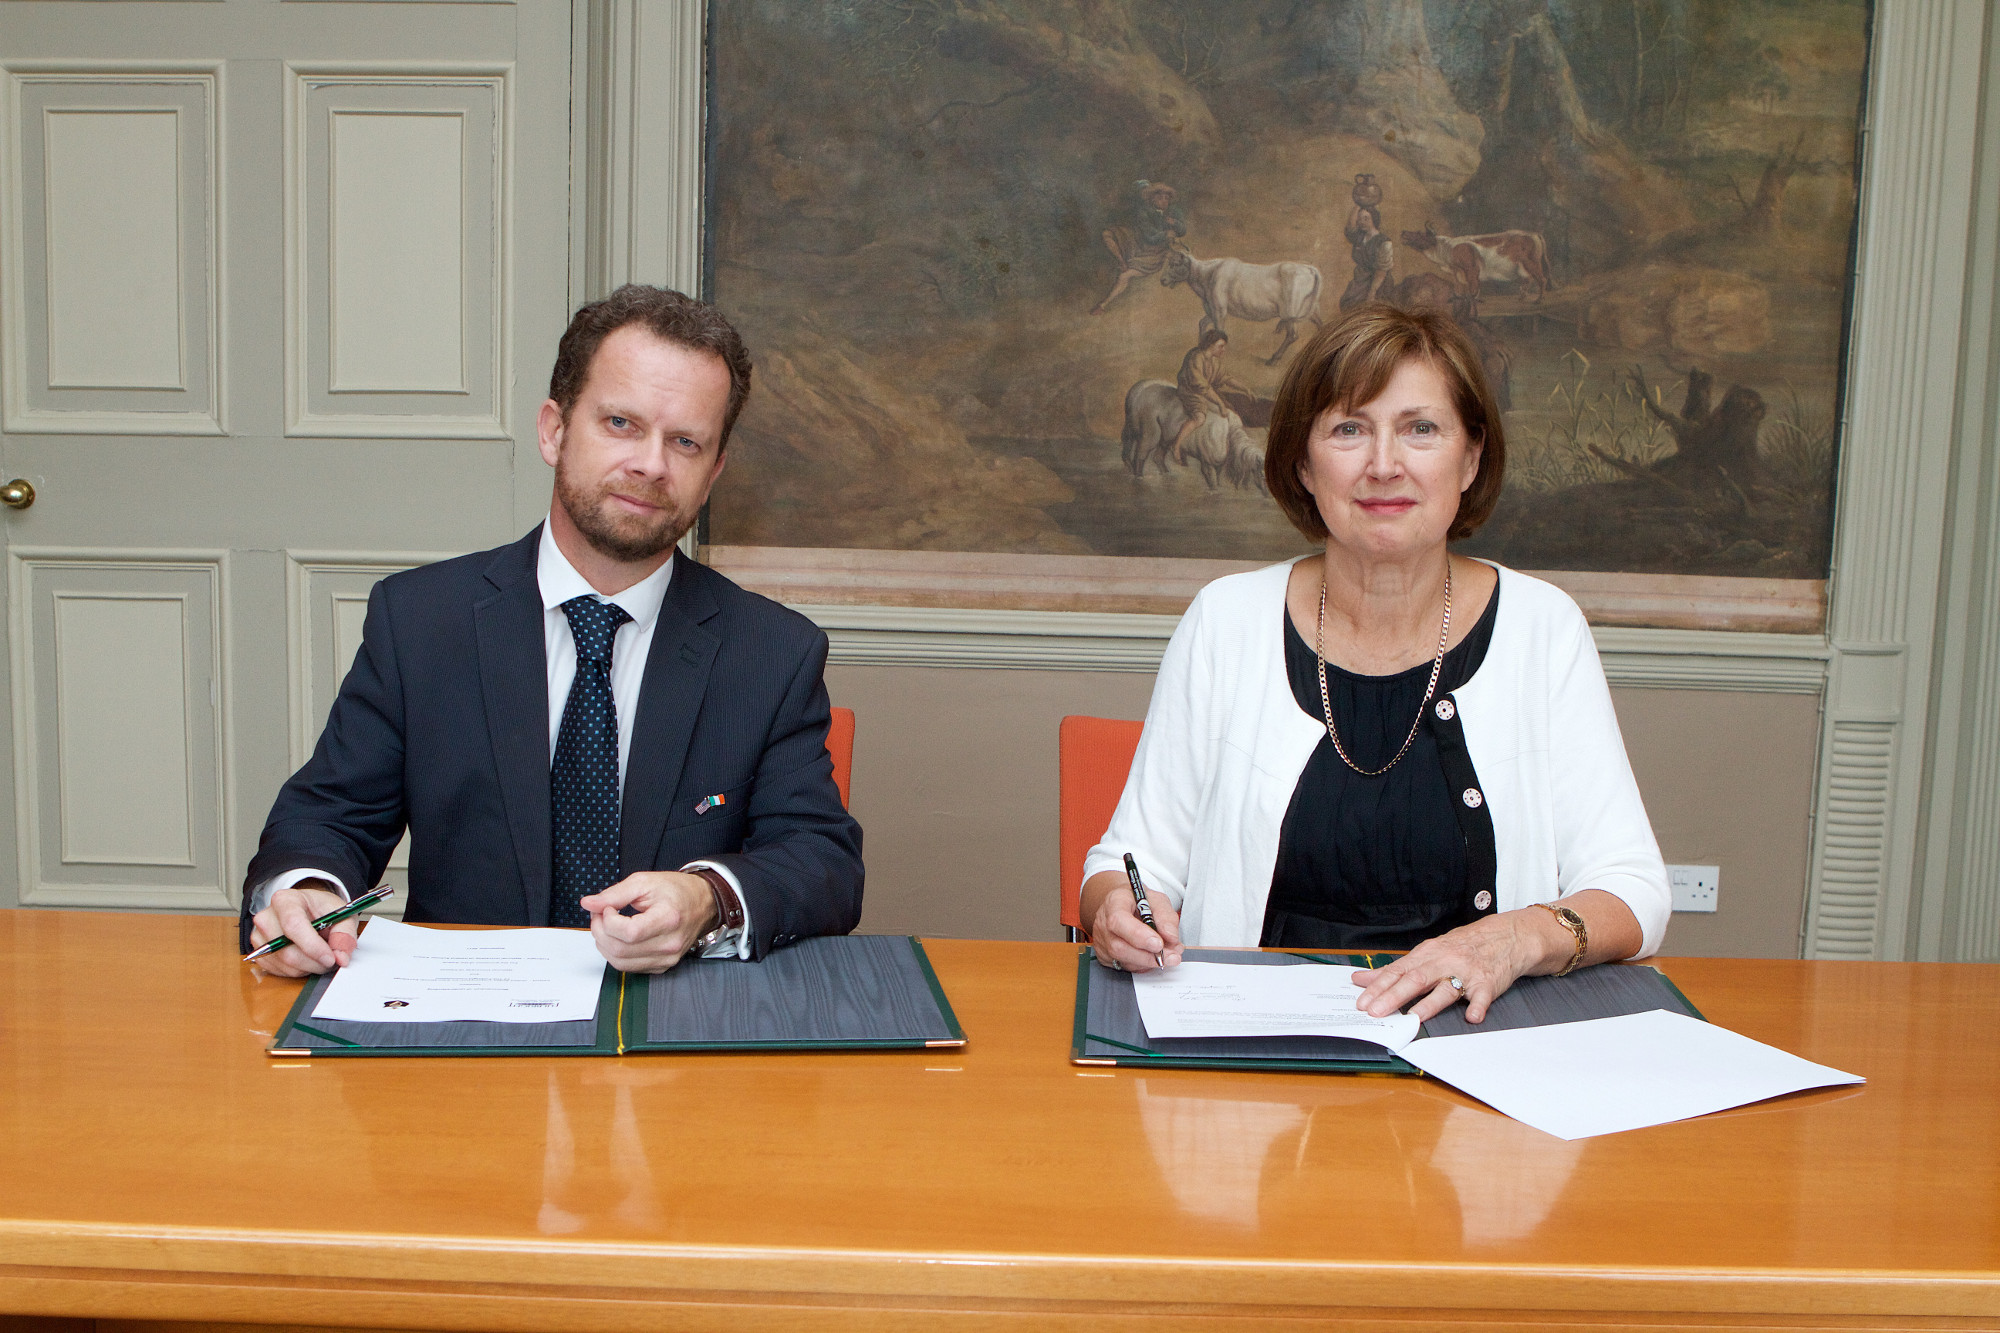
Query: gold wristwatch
x=1574, y=925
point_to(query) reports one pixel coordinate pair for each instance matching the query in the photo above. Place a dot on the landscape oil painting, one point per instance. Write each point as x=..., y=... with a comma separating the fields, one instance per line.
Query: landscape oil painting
x=1022, y=276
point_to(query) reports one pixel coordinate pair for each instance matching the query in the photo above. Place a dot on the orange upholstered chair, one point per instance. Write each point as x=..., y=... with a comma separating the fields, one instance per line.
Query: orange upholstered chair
x=840, y=744
x=1096, y=756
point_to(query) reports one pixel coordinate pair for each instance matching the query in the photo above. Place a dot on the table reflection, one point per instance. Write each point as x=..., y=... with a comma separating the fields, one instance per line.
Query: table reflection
x=1220, y=1156
x=566, y=1200
x=1508, y=1175
x=1211, y=1150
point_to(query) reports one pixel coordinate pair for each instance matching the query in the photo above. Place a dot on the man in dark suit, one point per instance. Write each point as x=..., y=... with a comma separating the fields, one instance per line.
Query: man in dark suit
x=583, y=727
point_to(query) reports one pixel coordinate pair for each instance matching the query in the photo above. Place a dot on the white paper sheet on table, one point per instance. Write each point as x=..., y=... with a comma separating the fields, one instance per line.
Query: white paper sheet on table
x=407, y=974
x=1577, y=1080
x=1233, y=1000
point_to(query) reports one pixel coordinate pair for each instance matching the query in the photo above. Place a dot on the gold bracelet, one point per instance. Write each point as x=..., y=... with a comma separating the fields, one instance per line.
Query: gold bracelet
x=1574, y=925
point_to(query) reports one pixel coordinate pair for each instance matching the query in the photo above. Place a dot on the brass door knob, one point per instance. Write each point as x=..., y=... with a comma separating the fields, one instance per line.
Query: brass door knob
x=17, y=494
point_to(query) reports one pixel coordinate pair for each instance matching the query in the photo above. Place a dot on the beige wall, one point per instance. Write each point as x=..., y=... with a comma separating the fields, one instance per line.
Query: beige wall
x=955, y=788
x=1728, y=781
x=955, y=785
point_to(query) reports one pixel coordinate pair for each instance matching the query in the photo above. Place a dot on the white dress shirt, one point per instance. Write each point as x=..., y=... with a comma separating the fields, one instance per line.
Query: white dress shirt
x=560, y=582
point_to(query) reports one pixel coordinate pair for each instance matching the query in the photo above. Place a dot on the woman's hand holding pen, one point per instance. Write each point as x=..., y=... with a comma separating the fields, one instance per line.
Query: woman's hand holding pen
x=1110, y=915
x=291, y=913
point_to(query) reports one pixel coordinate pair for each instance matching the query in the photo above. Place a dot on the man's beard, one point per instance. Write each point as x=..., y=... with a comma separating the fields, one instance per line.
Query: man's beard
x=627, y=537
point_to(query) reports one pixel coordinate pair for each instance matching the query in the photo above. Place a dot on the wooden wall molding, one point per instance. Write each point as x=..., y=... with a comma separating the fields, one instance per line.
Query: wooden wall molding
x=1958, y=882
x=637, y=111
x=649, y=94
x=1164, y=585
x=908, y=636
x=1896, y=453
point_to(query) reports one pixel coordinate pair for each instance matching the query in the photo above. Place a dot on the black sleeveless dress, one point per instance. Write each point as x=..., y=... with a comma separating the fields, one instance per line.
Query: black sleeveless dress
x=1389, y=861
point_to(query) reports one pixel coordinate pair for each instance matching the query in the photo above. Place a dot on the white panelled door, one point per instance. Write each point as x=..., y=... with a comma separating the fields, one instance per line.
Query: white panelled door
x=280, y=285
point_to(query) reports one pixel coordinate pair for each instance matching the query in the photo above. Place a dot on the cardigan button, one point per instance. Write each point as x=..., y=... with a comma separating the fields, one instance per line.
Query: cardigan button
x=1482, y=900
x=1473, y=800
x=1446, y=711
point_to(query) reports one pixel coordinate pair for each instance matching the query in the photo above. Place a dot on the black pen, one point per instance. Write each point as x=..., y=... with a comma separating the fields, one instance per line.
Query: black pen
x=367, y=900
x=1145, y=908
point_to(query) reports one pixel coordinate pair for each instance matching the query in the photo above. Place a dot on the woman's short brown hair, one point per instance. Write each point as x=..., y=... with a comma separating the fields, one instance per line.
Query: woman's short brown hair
x=1348, y=363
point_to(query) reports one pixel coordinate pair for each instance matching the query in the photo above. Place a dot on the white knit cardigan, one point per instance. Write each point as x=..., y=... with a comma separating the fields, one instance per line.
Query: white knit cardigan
x=1225, y=743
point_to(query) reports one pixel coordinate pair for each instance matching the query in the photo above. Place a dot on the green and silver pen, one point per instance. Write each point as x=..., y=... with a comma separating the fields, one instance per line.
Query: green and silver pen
x=378, y=894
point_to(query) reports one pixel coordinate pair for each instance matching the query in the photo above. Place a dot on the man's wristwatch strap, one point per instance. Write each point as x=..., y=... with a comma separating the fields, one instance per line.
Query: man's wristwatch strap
x=1573, y=923
x=728, y=906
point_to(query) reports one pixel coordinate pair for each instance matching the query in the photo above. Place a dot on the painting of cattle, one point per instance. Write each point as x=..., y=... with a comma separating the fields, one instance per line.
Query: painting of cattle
x=1519, y=257
x=970, y=243
x=1287, y=293
x=1219, y=447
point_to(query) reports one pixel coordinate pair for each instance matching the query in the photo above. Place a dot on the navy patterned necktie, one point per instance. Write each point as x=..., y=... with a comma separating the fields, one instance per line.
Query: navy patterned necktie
x=583, y=780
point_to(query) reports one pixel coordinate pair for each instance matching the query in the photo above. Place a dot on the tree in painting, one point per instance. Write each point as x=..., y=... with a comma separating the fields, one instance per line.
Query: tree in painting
x=979, y=248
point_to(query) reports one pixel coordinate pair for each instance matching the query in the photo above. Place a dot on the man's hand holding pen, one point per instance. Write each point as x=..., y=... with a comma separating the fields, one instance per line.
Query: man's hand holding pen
x=291, y=913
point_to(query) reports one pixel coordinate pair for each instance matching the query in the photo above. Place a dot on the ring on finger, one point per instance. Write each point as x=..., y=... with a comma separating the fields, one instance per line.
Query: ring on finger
x=1114, y=965
x=1457, y=985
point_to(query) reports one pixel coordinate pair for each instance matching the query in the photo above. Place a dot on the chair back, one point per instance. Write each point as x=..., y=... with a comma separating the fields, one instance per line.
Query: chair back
x=840, y=744
x=1096, y=757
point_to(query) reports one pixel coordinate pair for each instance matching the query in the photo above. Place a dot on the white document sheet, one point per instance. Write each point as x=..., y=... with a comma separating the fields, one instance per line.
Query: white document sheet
x=408, y=974
x=1234, y=1000
x=1578, y=1080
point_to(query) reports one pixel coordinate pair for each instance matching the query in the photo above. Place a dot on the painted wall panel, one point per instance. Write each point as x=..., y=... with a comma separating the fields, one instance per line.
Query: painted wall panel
x=398, y=254
x=350, y=613
x=120, y=742
x=113, y=248
x=121, y=691
x=111, y=319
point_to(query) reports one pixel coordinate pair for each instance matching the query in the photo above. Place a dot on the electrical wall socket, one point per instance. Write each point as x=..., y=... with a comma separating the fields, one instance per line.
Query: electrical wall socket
x=1694, y=887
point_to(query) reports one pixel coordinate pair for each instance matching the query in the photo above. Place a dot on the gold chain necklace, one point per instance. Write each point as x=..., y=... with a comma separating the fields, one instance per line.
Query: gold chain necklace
x=1326, y=705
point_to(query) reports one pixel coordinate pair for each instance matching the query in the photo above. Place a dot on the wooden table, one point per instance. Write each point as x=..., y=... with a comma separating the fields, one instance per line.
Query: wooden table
x=156, y=1164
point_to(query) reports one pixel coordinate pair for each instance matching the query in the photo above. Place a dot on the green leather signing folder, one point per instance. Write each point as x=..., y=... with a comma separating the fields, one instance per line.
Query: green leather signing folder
x=1109, y=1031
x=838, y=992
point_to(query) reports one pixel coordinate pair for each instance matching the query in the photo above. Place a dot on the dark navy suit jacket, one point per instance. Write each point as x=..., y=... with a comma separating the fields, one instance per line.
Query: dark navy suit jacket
x=442, y=726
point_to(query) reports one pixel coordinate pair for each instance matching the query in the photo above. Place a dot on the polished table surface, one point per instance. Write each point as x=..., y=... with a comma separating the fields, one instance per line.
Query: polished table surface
x=155, y=1163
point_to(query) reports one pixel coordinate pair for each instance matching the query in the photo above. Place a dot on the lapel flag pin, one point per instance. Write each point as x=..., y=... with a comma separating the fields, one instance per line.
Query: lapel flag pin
x=708, y=803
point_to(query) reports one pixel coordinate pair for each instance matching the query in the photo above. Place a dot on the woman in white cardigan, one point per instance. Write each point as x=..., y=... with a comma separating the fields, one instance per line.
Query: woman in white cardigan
x=1386, y=745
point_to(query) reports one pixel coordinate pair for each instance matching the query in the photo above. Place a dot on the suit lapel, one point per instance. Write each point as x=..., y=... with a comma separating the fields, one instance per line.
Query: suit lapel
x=514, y=682
x=670, y=698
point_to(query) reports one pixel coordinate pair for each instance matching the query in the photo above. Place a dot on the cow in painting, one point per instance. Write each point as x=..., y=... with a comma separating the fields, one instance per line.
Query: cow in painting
x=1503, y=256
x=1287, y=292
x=1219, y=447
